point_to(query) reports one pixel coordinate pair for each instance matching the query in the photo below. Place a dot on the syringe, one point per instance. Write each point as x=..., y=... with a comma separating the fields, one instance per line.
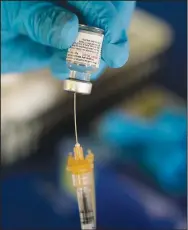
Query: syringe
x=83, y=180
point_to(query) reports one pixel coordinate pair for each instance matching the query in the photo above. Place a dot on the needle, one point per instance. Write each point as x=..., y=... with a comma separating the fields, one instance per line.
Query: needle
x=75, y=123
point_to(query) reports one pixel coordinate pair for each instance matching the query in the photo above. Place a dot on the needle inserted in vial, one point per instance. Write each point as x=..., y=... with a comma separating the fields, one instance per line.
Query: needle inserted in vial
x=83, y=59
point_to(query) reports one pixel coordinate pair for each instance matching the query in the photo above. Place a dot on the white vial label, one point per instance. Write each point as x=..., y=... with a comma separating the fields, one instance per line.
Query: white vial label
x=86, y=50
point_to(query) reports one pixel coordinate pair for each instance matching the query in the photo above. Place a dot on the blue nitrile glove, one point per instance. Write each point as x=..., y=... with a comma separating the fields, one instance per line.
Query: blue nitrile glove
x=167, y=163
x=117, y=127
x=37, y=34
x=161, y=143
x=120, y=129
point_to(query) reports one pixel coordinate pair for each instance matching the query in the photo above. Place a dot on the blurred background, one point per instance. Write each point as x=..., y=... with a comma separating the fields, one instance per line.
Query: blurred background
x=134, y=121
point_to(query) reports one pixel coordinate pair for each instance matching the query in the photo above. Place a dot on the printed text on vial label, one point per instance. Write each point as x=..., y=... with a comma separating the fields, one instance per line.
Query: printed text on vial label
x=86, y=50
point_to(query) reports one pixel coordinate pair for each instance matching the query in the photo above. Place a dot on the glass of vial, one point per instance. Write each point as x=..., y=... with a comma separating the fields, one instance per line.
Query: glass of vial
x=83, y=59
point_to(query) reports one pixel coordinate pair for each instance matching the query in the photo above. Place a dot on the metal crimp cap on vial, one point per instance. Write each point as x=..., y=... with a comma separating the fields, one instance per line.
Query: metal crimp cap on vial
x=74, y=84
x=77, y=86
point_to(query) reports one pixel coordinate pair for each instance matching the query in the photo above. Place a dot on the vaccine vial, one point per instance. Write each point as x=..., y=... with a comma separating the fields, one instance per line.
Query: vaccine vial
x=83, y=59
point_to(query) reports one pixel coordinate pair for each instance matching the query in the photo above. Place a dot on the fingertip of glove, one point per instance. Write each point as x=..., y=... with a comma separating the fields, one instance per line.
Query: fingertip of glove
x=100, y=71
x=62, y=29
x=59, y=67
x=120, y=61
x=69, y=32
x=115, y=55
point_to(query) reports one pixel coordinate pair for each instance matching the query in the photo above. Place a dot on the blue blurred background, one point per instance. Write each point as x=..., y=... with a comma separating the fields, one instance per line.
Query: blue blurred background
x=137, y=132
x=175, y=14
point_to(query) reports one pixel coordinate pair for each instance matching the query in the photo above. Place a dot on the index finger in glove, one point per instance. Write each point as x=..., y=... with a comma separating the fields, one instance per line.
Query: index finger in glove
x=102, y=14
x=44, y=22
x=125, y=10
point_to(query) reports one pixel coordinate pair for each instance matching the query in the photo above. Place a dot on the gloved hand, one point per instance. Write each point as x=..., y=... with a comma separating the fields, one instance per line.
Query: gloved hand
x=158, y=146
x=37, y=34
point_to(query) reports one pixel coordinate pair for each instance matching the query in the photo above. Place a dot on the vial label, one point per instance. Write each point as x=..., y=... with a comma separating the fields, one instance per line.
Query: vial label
x=86, y=50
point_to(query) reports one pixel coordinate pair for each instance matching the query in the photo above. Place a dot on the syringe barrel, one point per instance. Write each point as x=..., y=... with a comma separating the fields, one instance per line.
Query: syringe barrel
x=81, y=180
x=86, y=199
